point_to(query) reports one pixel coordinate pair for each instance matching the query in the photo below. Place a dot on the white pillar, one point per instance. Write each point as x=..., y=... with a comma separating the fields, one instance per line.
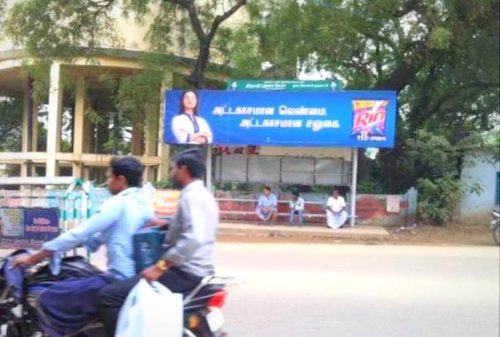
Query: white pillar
x=354, y=185
x=54, y=119
x=34, y=136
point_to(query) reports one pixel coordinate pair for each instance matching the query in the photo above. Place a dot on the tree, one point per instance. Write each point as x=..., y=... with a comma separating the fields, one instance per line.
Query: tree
x=10, y=124
x=49, y=29
x=442, y=57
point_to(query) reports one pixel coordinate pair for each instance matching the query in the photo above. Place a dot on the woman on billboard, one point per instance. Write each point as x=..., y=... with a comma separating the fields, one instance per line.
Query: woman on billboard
x=187, y=126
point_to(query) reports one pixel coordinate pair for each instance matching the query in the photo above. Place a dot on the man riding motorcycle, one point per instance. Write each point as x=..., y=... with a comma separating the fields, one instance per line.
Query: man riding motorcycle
x=189, y=242
x=119, y=218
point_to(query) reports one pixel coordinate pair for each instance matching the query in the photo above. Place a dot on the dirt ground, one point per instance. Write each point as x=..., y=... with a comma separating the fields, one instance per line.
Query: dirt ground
x=452, y=235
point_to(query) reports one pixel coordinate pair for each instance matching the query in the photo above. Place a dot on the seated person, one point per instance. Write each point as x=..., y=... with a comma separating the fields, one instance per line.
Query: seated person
x=296, y=208
x=336, y=216
x=267, y=207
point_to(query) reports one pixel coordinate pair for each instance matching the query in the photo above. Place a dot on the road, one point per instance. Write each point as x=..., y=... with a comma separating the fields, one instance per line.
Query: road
x=325, y=290
x=328, y=290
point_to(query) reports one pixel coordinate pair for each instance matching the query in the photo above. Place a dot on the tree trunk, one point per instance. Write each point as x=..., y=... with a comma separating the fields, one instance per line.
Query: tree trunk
x=197, y=75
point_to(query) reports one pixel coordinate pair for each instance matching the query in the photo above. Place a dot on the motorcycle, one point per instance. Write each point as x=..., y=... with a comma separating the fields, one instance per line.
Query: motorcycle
x=495, y=226
x=19, y=317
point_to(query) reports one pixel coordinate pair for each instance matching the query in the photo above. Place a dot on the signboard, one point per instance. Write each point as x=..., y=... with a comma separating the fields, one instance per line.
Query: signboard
x=11, y=222
x=259, y=85
x=393, y=202
x=165, y=202
x=27, y=227
x=280, y=118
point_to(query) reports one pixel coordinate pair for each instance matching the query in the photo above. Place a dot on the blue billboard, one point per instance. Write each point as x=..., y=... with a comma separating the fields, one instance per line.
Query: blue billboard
x=28, y=227
x=303, y=119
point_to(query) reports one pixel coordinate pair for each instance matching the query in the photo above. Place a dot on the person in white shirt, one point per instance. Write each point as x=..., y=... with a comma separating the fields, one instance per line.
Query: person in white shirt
x=189, y=243
x=187, y=126
x=267, y=207
x=336, y=215
x=296, y=208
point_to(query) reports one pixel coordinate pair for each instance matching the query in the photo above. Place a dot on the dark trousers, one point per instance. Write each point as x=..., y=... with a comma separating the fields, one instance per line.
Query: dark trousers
x=112, y=296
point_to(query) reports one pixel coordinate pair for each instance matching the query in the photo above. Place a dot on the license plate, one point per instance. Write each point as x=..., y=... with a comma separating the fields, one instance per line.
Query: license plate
x=215, y=319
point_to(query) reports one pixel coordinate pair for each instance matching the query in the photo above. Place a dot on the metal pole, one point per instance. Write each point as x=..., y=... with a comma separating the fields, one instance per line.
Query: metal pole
x=354, y=184
x=208, y=163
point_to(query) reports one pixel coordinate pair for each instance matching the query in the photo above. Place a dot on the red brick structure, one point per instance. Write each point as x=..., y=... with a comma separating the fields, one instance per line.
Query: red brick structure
x=370, y=209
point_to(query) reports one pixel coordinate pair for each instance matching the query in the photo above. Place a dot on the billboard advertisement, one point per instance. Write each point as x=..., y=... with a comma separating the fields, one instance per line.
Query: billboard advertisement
x=306, y=119
x=28, y=227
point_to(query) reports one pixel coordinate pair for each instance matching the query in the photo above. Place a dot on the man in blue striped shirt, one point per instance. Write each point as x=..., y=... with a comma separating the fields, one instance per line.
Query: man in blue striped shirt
x=189, y=244
x=114, y=225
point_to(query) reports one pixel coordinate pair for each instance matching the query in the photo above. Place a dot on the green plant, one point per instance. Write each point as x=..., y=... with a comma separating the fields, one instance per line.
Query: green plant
x=321, y=188
x=162, y=184
x=439, y=198
x=288, y=188
x=370, y=187
x=244, y=187
x=227, y=186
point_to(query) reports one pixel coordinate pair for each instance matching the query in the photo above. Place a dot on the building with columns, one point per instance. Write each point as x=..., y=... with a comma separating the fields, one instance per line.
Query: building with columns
x=74, y=87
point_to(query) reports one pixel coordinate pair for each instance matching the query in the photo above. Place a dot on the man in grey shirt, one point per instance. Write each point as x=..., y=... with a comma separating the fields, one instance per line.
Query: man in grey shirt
x=189, y=242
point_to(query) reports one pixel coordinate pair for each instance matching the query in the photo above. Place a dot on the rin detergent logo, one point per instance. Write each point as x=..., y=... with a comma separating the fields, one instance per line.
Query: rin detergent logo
x=369, y=118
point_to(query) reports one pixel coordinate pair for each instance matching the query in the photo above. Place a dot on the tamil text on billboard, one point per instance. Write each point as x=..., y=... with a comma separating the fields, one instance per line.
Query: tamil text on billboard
x=315, y=119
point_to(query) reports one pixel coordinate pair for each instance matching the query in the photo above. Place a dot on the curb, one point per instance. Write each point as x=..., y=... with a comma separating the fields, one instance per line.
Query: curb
x=252, y=230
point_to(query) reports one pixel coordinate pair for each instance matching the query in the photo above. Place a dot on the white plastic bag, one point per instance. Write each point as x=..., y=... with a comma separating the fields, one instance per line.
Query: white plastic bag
x=151, y=310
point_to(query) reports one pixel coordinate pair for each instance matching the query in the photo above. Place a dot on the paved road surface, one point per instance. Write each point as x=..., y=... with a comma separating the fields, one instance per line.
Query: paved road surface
x=313, y=290
x=327, y=290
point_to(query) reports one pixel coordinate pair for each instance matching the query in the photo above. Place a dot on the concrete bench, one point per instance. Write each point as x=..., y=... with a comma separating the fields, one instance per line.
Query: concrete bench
x=244, y=209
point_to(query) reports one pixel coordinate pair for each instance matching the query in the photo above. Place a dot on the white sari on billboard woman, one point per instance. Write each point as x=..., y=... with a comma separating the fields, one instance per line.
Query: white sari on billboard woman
x=183, y=126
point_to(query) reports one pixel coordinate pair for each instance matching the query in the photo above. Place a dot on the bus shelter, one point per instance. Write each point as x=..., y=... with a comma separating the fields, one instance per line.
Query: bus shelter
x=319, y=119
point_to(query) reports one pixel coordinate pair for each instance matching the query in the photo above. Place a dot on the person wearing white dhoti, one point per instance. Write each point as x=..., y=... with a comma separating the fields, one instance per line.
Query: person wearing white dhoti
x=187, y=126
x=336, y=215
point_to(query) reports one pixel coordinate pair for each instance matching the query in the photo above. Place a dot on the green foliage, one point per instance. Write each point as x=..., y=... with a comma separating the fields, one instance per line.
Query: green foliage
x=431, y=155
x=39, y=73
x=441, y=38
x=370, y=187
x=327, y=189
x=288, y=188
x=441, y=57
x=54, y=30
x=244, y=187
x=10, y=124
x=437, y=165
x=439, y=198
x=227, y=186
x=230, y=186
x=138, y=93
x=273, y=35
x=3, y=4
x=162, y=184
